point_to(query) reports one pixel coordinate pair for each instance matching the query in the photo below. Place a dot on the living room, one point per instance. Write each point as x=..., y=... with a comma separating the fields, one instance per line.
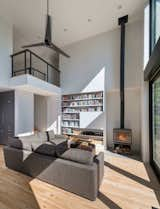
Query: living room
x=79, y=122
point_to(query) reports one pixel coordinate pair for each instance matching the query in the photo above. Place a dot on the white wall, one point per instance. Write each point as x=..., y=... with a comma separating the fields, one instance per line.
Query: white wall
x=54, y=113
x=24, y=112
x=145, y=92
x=40, y=113
x=6, y=47
x=48, y=113
x=90, y=56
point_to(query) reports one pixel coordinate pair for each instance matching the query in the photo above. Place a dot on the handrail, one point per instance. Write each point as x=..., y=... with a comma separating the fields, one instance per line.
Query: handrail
x=29, y=69
x=17, y=53
x=34, y=69
x=27, y=50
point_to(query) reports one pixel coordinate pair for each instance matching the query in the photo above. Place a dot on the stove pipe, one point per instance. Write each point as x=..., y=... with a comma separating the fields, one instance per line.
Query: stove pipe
x=122, y=21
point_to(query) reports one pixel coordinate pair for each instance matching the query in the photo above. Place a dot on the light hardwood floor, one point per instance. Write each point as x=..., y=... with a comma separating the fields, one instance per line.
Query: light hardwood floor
x=127, y=184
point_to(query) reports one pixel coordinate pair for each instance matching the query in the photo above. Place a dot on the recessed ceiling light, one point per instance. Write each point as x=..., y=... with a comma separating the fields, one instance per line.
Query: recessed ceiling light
x=119, y=7
x=89, y=20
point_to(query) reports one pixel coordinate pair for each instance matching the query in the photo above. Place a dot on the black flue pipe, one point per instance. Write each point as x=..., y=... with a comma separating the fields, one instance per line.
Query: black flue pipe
x=122, y=22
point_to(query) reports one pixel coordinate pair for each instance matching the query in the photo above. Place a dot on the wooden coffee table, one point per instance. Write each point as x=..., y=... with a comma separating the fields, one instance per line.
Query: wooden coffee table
x=84, y=146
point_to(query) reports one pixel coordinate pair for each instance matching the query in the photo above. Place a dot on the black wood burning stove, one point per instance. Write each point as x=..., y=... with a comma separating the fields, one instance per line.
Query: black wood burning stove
x=122, y=138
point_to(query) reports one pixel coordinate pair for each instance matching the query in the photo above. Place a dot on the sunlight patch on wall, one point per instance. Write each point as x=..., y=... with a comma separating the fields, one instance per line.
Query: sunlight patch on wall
x=97, y=83
x=55, y=126
x=25, y=134
x=146, y=35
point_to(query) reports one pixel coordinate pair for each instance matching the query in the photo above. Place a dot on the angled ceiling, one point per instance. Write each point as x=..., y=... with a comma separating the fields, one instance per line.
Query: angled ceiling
x=73, y=20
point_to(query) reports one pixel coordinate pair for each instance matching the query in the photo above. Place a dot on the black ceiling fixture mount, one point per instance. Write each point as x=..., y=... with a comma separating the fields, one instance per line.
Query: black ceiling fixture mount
x=48, y=37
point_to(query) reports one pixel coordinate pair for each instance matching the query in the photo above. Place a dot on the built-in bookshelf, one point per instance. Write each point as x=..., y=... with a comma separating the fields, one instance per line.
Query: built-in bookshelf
x=74, y=104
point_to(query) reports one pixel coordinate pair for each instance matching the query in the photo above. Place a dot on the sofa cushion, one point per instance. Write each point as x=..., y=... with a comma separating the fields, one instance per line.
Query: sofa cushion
x=42, y=136
x=79, y=156
x=39, y=136
x=58, y=141
x=60, y=144
x=20, y=143
x=46, y=148
x=51, y=135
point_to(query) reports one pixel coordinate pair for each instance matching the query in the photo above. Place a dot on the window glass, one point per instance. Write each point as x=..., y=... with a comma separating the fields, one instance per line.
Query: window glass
x=156, y=121
x=157, y=19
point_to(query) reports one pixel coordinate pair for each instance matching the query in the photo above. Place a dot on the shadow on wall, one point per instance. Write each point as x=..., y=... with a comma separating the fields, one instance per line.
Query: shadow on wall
x=99, y=119
x=92, y=120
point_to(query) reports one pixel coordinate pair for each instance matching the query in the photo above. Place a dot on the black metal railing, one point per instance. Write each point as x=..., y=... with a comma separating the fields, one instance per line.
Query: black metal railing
x=27, y=62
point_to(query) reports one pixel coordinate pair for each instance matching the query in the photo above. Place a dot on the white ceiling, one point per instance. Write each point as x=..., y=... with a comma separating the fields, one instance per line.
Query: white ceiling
x=28, y=17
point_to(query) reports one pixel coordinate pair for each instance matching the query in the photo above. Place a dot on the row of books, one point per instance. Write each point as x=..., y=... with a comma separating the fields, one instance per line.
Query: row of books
x=83, y=96
x=88, y=109
x=70, y=124
x=70, y=117
x=67, y=131
x=83, y=103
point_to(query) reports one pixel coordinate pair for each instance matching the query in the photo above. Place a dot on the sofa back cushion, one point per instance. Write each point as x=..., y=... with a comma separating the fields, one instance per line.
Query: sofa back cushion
x=46, y=148
x=79, y=156
x=25, y=142
x=51, y=135
x=39, y=136
x=19, y=143
x=42, y=136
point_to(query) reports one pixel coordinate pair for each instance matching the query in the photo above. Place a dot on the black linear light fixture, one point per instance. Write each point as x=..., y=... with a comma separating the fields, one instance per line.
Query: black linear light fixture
x=48, y=37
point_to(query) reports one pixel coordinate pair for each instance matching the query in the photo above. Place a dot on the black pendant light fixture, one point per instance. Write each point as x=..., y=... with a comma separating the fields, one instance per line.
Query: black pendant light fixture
x=48, y=37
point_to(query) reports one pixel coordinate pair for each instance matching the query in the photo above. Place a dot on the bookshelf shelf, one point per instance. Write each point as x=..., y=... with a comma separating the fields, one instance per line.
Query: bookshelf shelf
x=70, y=100
x=82, y=106
x=70, y=127
x=70, y=119
x=70, y=112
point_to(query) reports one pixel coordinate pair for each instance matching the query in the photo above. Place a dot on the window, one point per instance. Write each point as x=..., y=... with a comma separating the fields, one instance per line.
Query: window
x=155, y=88
x=154, y=22
x=157, y=20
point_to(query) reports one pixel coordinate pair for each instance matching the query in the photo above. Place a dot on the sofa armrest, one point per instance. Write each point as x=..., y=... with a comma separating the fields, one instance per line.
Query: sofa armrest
x=99, y=159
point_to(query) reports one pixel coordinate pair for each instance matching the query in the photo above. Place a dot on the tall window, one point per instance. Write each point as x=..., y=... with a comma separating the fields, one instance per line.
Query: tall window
x=154, y=81
x=156, y=121
x=157, y=28
x=155, y=21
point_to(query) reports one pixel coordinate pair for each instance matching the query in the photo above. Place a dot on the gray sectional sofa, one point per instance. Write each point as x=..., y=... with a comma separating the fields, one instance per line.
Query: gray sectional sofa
x=46, y=156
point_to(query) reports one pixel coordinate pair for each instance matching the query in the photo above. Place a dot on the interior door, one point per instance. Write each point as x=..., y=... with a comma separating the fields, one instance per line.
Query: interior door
x=6, y=116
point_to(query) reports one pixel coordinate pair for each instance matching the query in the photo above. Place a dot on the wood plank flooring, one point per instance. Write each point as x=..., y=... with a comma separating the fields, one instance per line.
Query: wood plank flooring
x=127, y=184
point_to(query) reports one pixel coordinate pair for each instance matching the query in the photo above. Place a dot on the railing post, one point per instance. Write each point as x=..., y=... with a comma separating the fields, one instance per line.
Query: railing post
x=12, y=66
x=47, y=73
x=59, y=79
x=30, y=70
x=25, y=62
